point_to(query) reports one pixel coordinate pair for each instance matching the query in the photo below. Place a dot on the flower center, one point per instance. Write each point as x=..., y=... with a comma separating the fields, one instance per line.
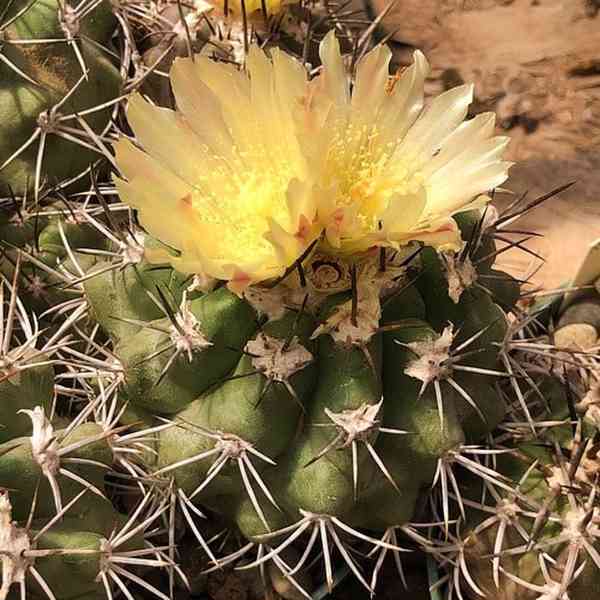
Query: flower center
x=359, y=167
x=240, y=194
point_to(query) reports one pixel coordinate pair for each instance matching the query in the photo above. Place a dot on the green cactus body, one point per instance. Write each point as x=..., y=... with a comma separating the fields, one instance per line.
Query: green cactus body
x=266, y=424
x=44, y=75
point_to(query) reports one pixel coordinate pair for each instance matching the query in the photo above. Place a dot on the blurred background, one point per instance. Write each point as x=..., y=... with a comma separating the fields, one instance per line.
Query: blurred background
x=536, y=63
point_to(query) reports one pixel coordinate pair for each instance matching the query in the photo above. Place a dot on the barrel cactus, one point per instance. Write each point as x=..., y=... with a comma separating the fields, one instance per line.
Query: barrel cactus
x=315, y=360
x=57, y=517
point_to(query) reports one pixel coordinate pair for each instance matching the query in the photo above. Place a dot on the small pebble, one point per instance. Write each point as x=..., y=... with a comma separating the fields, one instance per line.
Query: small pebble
x=576, y=336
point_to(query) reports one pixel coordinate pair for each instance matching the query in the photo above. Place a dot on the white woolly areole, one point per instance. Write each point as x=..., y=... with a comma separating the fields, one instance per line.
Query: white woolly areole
x=105, y=555
x=341, y=326
x=270, y=302
x=187, y=335
x=201, y=282
x=44, y=446
x=578, y=522
x=133, y=250
x=192, y=21
x=432, y=354
x=232, y=445
x=69, y=21
x=8, y=369
x=395, y=275
x=460, y=272
x=36, y=286
x=357, y=423
x=233, y=45
x=274, y=359
x=553, y=591
x=558, y=480
x=508, y=509
x=14, y=542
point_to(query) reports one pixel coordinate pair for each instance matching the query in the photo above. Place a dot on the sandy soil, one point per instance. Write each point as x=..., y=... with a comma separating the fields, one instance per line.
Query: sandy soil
x=536, y=63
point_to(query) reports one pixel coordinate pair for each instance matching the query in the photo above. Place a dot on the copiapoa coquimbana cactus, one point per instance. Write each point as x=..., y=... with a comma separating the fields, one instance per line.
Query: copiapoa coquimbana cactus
x=59, y=82
x=281, y=317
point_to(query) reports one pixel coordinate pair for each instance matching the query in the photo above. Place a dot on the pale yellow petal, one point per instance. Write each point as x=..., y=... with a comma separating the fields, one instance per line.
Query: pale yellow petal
x=179, y=150
x=154, y=214
x=290, y=78
x=333, y=75
x=372, y=72
x=200, y=106
x=471, y=159
x=145, y=171
x=432, y=128
x=404, y=102
x=300, y=200
x=403, y=213
x=447, y=195
x=465, y=136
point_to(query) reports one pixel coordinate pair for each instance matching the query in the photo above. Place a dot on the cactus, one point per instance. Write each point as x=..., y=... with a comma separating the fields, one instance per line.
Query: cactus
x=276, y=337
x=57, y=518
x=59, y=87
x=345, y=382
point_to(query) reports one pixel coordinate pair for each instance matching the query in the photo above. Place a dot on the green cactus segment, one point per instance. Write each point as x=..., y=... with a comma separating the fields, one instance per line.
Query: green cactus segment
x=44, y=75
x=23, y=389
x=330, y=456
x=431, y=433
x=168, y=363
x=349, y=381
x=58, y=251
x=504, y=289
x=266, y=424
x=20, y=229
x=56, y=471
x=243, y=407
x=82, y=564
x=541, y=514
x=452, y=283
x=119, y=298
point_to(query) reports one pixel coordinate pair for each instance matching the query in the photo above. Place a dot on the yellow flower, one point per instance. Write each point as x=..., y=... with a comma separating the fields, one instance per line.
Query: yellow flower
x=223, y=180
x=256, y=165
x=237, y=7
x=388, y=171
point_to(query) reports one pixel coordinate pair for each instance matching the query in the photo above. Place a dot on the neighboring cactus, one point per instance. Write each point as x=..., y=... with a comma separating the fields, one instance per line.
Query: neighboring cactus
x=59, y=531
x=58, y=89
x=538, y=537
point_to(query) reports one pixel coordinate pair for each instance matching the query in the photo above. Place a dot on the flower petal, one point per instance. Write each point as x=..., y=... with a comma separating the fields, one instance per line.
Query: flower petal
x=372, y=73
x=433, y=127
x=176, y=150
x=405, y=101
x=333, y=76
x=199, y=105
x=467, y=134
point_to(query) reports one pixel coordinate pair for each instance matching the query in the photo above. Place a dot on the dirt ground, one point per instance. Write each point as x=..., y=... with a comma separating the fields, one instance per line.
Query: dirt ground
x=536, y=63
